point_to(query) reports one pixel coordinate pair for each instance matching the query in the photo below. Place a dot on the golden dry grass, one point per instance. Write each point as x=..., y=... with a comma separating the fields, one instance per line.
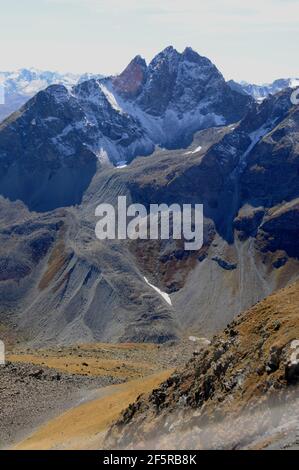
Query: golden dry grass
x=84, y=427
x=86, y=366
x=57, y=260
x=124, y=361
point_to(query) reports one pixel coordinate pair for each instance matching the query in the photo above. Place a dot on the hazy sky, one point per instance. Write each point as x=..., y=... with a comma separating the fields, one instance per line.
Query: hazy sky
x=254, y=40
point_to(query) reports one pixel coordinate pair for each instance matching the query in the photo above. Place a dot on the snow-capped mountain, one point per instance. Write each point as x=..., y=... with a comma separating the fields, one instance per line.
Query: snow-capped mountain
x=21, y=85
x=176, y=95
x=260, y=92
x=61, y=133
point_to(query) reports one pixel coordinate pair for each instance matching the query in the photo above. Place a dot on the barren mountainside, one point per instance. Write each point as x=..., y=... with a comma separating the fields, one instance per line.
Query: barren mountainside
x=239, y=392
x=60, y=284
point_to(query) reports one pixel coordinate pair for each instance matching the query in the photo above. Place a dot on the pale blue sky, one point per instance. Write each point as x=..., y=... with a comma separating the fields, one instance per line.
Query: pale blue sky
x=254, y=40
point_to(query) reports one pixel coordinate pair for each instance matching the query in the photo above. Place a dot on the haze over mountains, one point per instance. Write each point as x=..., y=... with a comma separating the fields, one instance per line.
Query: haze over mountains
x=260, y=92
x=187, y=137
x=21, y=85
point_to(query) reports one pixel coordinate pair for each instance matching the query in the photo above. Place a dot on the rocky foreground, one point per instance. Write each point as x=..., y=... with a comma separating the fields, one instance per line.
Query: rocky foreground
x=240, y=392
x=36, y=386
x=30, y=395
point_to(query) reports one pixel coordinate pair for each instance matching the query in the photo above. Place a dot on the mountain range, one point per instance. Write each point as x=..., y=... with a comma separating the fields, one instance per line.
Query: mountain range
x=60, y=136
x=20, y=85
x=260, y=92
x=169, y=131
x=23, y=84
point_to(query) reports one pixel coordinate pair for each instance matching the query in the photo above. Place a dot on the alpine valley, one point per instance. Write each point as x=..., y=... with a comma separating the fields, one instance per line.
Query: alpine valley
x=171, y=131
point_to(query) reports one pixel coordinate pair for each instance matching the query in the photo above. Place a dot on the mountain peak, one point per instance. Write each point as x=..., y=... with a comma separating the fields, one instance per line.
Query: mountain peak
x=129, y=83
x=189, y=48
x=192, y=56
x=188, y=54
x=138, y=60
x=179, y=81
x=168, y=53
x=169, y=50
x=171, y=59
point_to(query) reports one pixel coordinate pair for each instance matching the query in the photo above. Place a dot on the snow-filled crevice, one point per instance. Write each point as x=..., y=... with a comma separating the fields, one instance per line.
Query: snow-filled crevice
x=164, y=295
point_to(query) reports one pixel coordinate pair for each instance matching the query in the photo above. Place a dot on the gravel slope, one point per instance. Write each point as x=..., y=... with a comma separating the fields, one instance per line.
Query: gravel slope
x=30, y=395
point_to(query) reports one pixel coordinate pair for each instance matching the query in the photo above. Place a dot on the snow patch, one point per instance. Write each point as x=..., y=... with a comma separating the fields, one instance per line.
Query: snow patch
x=110, y=98
x=121, y=165
x=191, y=152
x=165, y=296
x=102, y=155
x=294, y=82
x=203, y=341
x=255, y=138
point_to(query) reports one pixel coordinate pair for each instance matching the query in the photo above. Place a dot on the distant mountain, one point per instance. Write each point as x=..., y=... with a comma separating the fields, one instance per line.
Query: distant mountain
x=260, y=92
x=59, y=136
x=21, y=85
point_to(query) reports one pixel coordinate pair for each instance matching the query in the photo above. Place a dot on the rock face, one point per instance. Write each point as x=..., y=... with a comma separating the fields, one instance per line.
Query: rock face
x=271, y=175
x=279, y=231
x=231, y=393
x=52, y=145
x=181, y=82
x=130, y=82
